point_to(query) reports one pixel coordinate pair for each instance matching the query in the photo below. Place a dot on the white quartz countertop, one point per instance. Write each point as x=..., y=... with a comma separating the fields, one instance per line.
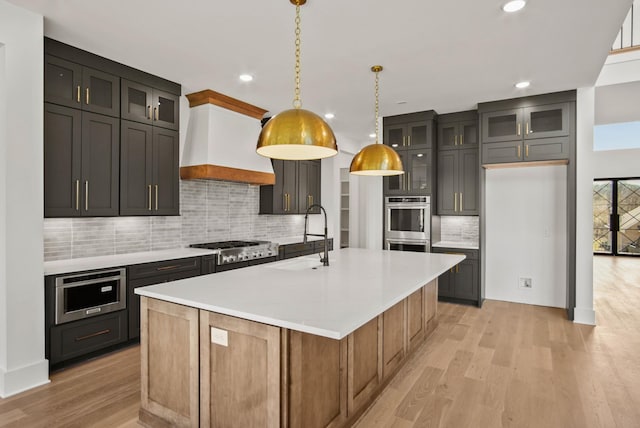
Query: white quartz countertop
x=104, y=262
x=328, y=301
x=463, y=245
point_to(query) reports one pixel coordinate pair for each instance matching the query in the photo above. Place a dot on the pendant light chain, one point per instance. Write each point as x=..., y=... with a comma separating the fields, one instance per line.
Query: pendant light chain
x=297, y=102
x=377, y=105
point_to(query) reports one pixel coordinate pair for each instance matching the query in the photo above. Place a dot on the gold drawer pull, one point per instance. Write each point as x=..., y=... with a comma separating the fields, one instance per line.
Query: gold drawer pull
x=89, y=336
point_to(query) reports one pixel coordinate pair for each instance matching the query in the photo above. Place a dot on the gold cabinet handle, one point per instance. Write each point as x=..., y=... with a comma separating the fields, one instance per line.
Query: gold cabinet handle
x=156, y=197
x=518, y=129
x=408, y=140
x=457, y=268
x=519, y=151
x=288, y=202
x=527, y=128
x=86, y=195
x=78, y=94
x=455, y=202
x=89, y=336
x=311, y=199
x=77, y=195
x=455, y=140
x=460, y=201
x=284, y=202
x=149, y=112
x=408, y=180
x=526, y=150
x=86, y=96
x=155, y=113
x=149, y=187
x=461, y=139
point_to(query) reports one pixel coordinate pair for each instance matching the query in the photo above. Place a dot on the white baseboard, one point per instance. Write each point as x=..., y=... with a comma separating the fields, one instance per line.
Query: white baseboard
x=23, y=378
x=584, y=316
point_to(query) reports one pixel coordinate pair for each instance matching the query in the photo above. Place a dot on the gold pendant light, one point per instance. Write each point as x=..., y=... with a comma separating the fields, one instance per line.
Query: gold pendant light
x=297, y=134
x=376, y=159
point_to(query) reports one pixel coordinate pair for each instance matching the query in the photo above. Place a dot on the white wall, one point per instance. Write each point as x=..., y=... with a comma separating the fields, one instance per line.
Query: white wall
x=526, y=234
x=22, y=363
x=585, y=121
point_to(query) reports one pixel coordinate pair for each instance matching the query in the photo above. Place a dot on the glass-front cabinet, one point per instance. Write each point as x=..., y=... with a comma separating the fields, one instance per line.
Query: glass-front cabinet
x=418, y=174
x=458, y=134
x=551, y=120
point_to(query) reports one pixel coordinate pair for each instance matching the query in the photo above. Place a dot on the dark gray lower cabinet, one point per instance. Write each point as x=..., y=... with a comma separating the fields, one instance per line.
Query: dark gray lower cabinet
x=85, y=336
x=462, y=282
x=298, y=249
x=155, y=273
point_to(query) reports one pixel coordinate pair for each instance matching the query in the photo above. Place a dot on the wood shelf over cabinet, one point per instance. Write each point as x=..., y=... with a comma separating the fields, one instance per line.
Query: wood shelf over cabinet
x=221, y=100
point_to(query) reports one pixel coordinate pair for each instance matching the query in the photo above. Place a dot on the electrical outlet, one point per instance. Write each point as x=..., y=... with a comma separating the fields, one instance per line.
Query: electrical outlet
x=525, y=283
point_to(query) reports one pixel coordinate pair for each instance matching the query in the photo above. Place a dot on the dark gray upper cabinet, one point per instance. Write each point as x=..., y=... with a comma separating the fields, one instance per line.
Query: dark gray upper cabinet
x=418, y=177
x=308, y=186
x=297, y=186
x=93, y=168
x=458, y=130
x=148, y=170
x=413, y=130
x=62, y=161
x=100, y=164
x=136, y=172
x=73, y=85
x=458, y=173
x=80, y=162
x=166, y=174
x=144, y=104
x=412, y=136
x=551, y=120
x=535, y=129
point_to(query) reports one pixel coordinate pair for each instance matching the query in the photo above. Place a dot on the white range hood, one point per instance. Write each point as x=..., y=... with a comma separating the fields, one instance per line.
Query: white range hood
x=221, y=141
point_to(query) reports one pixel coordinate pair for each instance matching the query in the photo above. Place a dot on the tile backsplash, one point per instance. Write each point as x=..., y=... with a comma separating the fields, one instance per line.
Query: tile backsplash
x=460, y=228
x=210, y=211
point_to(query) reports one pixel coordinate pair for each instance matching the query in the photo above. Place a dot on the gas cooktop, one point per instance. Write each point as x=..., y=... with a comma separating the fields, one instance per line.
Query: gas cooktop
x=239, y=251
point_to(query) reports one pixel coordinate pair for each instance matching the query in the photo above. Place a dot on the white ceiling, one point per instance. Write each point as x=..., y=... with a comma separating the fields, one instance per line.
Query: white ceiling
x=444, y=55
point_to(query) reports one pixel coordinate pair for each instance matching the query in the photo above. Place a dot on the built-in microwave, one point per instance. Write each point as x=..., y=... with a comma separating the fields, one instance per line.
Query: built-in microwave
x=89, y=294
x=407, y=218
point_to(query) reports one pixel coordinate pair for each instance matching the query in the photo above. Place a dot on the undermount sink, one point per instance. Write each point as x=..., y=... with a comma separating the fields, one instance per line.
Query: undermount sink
x=297, y=264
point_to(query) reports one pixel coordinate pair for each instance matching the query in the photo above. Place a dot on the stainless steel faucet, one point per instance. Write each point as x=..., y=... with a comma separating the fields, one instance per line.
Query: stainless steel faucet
x=325, y=259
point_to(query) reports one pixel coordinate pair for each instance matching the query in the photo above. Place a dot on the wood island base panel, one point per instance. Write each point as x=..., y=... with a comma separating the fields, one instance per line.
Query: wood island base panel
x=205, y=369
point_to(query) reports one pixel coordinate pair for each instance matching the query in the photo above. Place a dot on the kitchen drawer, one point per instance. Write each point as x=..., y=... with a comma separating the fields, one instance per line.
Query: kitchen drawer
x=470, y=254
x=84, y=336
x=296, y=250
x=165, y=267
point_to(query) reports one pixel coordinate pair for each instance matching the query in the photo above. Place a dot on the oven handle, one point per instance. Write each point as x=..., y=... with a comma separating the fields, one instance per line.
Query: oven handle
x=90, y=281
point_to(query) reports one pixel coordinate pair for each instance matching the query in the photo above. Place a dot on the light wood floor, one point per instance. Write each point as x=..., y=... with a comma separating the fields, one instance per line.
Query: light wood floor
x=505, y=365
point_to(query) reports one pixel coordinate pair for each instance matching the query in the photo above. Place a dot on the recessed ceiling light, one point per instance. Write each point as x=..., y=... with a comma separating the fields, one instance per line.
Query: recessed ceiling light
x=401, y=102
x=372, y=135
x=522, y=85
x=329, y=115
x=420, y=155
x=513, y=6
x=394, y=145
x=246, y=77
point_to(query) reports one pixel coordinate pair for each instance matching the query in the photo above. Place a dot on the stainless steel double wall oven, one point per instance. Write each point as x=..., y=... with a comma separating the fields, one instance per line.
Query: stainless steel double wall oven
x=407, y=223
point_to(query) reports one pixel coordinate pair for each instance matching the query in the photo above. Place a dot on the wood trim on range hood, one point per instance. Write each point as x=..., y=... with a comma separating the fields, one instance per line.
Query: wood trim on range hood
x=216, y=172
x=229, y=170
x=221, y=100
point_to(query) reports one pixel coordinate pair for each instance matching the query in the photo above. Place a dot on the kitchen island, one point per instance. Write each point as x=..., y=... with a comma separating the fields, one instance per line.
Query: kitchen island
x=291, y=343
